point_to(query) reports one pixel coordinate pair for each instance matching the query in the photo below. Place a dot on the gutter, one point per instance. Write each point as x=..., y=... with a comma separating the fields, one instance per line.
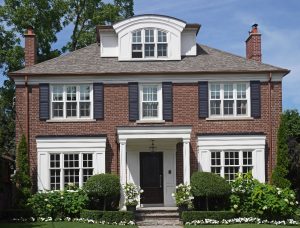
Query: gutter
x=270, y=123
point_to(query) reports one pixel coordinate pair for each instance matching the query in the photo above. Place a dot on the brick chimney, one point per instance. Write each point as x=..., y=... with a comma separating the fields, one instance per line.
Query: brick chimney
x=30, y=47
x=253, y=44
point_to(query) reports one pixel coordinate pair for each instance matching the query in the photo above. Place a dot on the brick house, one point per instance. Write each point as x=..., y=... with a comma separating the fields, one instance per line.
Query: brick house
x=150, y=104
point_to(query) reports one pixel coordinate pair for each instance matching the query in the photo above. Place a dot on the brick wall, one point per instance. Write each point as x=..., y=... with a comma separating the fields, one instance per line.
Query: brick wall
x=185, y=105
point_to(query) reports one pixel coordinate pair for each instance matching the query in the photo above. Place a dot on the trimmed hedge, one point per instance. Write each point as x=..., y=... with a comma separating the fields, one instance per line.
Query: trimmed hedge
x=189, y=216
x=16, y=213
x=108, y=216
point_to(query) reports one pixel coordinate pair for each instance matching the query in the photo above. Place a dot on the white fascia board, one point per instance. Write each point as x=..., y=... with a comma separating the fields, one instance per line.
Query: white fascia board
x=124, y=79
x=231, y=142
x=180, y=132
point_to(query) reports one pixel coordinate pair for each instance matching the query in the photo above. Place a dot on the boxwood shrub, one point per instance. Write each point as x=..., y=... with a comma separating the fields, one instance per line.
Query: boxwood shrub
x=108, y=216
x=103, y=191
x=211, y=192
x=189, y=216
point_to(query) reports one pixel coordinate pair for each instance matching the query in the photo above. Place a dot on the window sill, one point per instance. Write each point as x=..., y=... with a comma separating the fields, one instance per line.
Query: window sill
x=150, y=121
x=69, y=120
x=228, y=118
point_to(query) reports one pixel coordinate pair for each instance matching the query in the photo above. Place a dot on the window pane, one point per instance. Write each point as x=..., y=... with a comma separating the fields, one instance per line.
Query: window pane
x=58, y=93
x=71, y=93
x=162, y=50
x=216, y=170
x=71, y=176
x=230, y=173
x=84, y=109
x=241, y=107
x=137, y=51
x=86, y=174
x=55, y=179
x=247, y=169
x=228, y=107
x=228, y=91
x=85, y=92
x=57, y=109
x=241, y=91
x=150, y=93
x=231, y=158
x=161, y=36
x=149, y=35
x=54, y=160
x=215, y=107
x=150, y=109
x=149, y=50
x=136, y=37
x=215, y=158
x=71, y=109
x=247, y=157
x=215, y=91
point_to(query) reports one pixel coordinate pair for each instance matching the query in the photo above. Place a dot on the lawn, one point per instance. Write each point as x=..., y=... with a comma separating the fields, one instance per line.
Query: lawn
x=57, y=225
x=239, y=226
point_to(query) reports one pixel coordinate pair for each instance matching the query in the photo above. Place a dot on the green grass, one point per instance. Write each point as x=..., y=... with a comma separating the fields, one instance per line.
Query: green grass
x=239, y=226
x=58, y=225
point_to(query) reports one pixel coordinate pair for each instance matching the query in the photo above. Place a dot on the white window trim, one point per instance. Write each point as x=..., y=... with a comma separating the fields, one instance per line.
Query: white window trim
x=254, y=143
x=155, y=57
x=77, y=118
x=234, y=116
x=72, y=145
x=159, y=99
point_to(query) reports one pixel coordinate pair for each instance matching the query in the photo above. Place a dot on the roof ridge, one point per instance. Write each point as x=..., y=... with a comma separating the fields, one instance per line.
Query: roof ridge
x=242, y=57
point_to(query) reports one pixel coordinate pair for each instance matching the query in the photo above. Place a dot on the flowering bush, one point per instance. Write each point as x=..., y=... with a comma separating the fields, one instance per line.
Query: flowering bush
x=183, y=195
x=58, y=203
x=132, y=194
x=264, y=200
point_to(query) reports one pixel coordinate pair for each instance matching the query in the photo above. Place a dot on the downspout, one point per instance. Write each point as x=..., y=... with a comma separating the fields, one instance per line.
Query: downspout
x=27, y=117
x=270, y=123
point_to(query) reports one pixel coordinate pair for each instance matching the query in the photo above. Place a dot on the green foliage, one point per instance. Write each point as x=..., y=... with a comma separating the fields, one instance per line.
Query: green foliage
x=58, y=204
x=103, y=186
x=22, y=175
x=132, y=194
x=183, y=195
x=262, y=200
x=108, y=216
x=279, y=175
x=189, y=216
x=211, y=190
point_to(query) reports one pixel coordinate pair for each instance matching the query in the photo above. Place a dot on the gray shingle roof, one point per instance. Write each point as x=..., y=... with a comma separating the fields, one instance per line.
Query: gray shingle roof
x=87, y=61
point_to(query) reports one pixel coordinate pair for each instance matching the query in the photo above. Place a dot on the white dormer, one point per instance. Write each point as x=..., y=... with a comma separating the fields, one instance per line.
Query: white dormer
x=148, y=38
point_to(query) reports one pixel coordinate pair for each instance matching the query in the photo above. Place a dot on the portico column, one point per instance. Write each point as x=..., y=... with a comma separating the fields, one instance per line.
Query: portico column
x=186, y=161
x=122, y=170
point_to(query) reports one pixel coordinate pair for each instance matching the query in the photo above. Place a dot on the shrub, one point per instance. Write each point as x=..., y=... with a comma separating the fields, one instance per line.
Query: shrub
x=9, y=214
x=103, y=187
x=61, y=204
x=189, y=216
x=132, y=193
x=108, y=216
x=263, y=200
x=183, y=195
x=22, y=175
x=211, y=190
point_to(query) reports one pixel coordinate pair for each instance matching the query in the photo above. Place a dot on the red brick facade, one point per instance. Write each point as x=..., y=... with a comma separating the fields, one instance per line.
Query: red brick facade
x=185, y=109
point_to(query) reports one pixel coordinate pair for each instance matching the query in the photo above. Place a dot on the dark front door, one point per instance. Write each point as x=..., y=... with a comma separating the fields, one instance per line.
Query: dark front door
x=151, y=168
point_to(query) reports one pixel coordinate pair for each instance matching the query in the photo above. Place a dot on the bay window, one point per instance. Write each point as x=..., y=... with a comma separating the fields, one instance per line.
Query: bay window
x=71, y=101
x=229, y=99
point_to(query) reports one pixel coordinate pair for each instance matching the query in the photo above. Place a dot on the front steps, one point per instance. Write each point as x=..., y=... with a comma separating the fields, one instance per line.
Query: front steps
x=161, y=216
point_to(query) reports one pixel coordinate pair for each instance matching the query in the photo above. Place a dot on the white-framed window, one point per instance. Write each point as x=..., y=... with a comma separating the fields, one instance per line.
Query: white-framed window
x=68, y=168
x=227, y=163
x=71, y=101
x=150, y=101
x=229, y=99
x=149, y=43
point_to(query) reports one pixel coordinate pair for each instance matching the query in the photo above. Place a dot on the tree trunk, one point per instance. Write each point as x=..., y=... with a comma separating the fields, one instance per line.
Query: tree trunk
x=206, y=203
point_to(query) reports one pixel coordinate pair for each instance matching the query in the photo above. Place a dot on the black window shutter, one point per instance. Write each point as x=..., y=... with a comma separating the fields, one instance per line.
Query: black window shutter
x=44, y=101
x=203, y=99
x=255, y=99
x=98, y=101
x=167, y=93
x=133, y=95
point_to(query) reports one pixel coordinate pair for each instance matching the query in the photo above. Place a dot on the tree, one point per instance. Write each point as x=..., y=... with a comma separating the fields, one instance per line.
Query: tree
x=85, y=15
x=22, y=175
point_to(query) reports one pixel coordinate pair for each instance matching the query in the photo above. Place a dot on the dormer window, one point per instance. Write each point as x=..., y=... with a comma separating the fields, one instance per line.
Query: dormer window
x=149, y=43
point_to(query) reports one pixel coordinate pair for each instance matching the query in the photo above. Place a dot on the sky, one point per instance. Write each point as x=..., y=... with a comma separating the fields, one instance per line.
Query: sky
x=225, y=26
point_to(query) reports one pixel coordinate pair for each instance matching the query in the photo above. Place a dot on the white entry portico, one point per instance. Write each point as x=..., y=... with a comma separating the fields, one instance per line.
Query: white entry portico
x=136, y=141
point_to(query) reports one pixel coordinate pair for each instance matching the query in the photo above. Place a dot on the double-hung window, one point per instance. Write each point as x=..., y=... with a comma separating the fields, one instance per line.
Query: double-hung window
x=151, y=102
x=149, y=43
x=229, y=99
x=67, y=168
x=230, y=162
x=71, y=101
